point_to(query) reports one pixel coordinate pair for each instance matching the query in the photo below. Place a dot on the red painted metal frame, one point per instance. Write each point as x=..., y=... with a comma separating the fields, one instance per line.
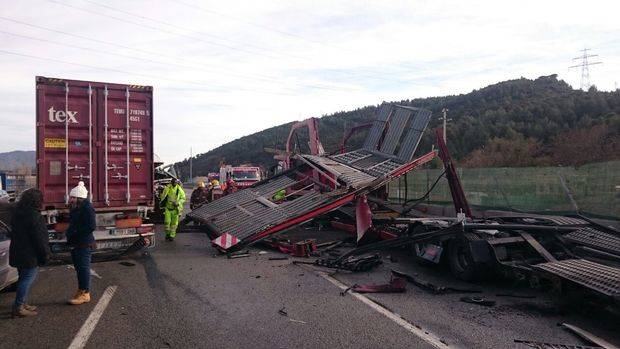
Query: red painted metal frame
x=316, y=148
x=456, y=189
x=341, y=201
x=352, y=130
x=415, y=163
x=305, y=217
x=385, y=235
x=348, y=228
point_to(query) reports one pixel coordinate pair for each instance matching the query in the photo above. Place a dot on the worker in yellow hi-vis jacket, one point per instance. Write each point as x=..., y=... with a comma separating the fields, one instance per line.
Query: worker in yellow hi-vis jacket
x=172, y=200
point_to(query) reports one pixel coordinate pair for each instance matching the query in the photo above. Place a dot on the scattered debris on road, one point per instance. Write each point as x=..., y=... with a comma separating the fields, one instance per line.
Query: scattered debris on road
x=586, y=335
x=396, y=285
x=478, y=300
x=427, y=286
x=239, y=254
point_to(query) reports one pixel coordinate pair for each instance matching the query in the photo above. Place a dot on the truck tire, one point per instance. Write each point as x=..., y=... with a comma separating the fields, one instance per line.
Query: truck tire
x=462, y=262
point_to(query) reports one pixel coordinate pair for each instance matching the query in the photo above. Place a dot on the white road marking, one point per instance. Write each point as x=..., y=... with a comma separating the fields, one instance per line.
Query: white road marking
x=94, y=273
x=424, y=335
x=89, y=325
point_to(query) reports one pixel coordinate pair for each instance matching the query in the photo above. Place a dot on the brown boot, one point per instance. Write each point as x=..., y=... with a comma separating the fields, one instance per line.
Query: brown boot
x=80, y=297
x=21, y=311
x=30, y=307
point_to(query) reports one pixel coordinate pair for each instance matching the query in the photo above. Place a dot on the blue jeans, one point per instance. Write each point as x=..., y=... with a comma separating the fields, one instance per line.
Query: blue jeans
x=81, y=262
x=26, y=277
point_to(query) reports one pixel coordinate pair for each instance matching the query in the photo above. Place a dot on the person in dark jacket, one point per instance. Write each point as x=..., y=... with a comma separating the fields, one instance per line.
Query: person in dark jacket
x=80, y=237
x=199, y=196
x=29, y=247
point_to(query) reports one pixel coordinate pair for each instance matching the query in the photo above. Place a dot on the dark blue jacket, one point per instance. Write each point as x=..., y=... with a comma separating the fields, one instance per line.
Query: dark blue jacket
x=82, y=223
x=29, y=239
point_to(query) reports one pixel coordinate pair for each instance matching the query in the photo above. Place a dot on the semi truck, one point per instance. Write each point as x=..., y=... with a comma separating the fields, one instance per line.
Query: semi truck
x=100, y=134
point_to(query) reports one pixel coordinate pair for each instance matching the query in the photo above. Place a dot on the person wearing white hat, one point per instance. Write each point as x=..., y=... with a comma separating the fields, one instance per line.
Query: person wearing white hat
x=80, y=237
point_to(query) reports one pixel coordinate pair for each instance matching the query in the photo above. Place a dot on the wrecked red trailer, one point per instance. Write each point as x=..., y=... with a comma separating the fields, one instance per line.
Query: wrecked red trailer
x=318, y=184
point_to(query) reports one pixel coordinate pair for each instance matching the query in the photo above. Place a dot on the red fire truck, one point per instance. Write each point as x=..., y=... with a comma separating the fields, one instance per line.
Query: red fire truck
x=241, y=176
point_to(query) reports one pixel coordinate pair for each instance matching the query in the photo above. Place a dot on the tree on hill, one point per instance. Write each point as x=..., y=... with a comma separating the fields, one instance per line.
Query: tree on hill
x=524, y=111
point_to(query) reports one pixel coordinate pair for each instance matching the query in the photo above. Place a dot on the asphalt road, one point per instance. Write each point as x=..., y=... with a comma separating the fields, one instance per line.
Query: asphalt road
x=182, y=295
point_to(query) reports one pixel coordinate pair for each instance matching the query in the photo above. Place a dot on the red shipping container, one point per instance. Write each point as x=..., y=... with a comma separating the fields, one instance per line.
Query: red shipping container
x=99, y=133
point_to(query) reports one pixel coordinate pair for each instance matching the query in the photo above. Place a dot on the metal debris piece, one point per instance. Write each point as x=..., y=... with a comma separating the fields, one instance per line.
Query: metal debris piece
x=594, y=276
x=427, y=286
x=588, y=336
x=355, y=265
x=239, y=254
x=396, y=285
x=478, y=300
x=596, y=239
x=304, y=248
x=331, y=246
x=283, y=312
x=127, y=264
x=361, y=263
x=278, y=258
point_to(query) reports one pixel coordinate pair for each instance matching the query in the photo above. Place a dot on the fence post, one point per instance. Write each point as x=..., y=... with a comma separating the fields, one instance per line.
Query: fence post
x=568, y=193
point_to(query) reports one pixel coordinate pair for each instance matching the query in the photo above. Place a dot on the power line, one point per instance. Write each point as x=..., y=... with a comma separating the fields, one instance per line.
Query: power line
x=86, y=38
x=142, y=59
x=208, y=86
x=153, y=53
x=585, y=68
x=124, y=20
x=257, y=25
x=112, y=8
x=367, y=75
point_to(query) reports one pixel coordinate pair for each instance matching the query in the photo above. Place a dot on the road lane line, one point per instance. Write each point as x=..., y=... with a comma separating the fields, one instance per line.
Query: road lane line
x=94, y=273
x=89, y=325
x=418, y=332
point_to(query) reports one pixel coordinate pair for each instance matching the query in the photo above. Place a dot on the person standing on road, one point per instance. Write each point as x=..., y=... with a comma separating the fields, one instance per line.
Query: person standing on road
x=29, y=247
x=80, y=237
x=172, y=200
x=231, y=187
x=209, y=192
x=199, y=196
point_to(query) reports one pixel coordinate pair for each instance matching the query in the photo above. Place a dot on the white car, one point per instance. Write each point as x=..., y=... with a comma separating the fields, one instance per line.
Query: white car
x=8, y=274
x=4, y=196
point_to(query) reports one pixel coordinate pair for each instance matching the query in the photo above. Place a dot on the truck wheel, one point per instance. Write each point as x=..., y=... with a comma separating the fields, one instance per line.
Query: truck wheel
x=462, y=262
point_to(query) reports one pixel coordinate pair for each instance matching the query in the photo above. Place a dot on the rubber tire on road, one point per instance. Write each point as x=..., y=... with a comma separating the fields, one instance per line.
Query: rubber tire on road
x=461, y=260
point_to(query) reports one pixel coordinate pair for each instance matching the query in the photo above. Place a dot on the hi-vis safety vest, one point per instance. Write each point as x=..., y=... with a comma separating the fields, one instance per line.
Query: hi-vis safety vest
x=172, y=195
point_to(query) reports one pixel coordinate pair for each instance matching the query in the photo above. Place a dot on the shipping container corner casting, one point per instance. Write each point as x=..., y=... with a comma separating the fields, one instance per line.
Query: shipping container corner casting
x=98, y=133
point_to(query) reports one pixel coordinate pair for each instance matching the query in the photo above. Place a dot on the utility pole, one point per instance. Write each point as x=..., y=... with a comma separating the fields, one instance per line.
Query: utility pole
x=191, y=176
x=585, y=68
x=445, y=123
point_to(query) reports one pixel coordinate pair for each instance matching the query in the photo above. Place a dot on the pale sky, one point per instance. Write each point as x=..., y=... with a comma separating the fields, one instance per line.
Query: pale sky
x=225, y=69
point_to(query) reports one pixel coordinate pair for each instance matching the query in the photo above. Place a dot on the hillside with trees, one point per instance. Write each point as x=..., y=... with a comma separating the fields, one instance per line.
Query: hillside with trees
x=518, y=122
x=19, y=161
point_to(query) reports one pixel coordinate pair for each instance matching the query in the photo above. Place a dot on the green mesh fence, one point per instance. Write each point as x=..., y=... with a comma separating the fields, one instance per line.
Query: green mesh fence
x=593, y=188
